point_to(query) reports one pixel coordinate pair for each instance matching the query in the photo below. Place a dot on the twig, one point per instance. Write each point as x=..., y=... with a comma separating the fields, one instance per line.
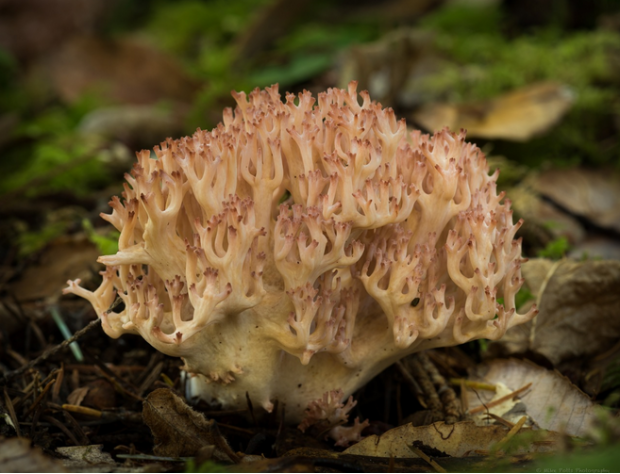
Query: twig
x=40, y=396
x=411, y=382
x=50, y=352
x=58, y=384
x=513, y=431
x=499, y=419
x=481, y=408
x=63, y=428
x=424, y=456
x=155, y=359
x=152, y=376
x=76, y=428
x=449, y=401
x=474, y=385
x=428, y=387
x=82, y=410
x=121, y=386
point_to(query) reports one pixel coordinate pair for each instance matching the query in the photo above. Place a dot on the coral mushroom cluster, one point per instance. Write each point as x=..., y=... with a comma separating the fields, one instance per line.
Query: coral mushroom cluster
x=303, y=246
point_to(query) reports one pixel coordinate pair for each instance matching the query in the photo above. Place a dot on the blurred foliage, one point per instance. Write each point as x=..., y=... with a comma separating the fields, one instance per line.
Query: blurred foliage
x=484, y=62
x=611, y=383
x=523, y=296
x=203, y=35
x=309, y=50
x=31, y=241
x=12, y=97
x=207, y=466
x=55, y=156
x=556, y=249
x=106, y=240
x=599, y=453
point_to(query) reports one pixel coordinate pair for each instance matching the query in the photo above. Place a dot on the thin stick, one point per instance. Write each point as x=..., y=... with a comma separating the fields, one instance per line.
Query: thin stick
x=63, y=428
x=50, y=352
x=513, y=431
x=481, y=408
x=499, y=419
x=82, y=410
x=41, y=395
x=424, y=456
x=474, y=385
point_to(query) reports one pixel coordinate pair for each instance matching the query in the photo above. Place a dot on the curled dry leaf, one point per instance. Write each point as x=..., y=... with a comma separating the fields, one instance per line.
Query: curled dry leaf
x=552, y=401
x=578, y=304
x=518, y=115
x=77, y=396
x=460, y=439
x=180, y=431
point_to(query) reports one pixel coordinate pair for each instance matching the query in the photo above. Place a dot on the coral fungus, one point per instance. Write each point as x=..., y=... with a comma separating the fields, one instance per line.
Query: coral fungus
x=303, y=246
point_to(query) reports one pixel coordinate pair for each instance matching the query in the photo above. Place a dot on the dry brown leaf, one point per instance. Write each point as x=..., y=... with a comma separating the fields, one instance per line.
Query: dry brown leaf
x=544, y=216
x=518, y=115
x=16, y=455
x=120, y=70
x=593, y=194
x=457, y=440
x=62, y=259
x=91, y=459
x=77, y=396
x=552, y=401
x=180, y=431
x=100, y=395
x=578, y=304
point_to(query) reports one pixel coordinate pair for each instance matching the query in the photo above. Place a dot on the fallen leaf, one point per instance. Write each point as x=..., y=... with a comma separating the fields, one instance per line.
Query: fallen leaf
x=121, y=70
x=544, y=216
x=457, y=440
x=66, y=257
x=592, y=194
x=16, y=455
x=518, y=115
x=88, y=459
x=77, y=396
x=180, y=431
x=100, y=395
x=578, y=304
x=552, y=401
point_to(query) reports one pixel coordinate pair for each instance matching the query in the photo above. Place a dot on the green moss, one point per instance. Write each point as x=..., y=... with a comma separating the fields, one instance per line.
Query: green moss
x=106, y=241
x=57, y=157
x=555, y=249
x=29, y=242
